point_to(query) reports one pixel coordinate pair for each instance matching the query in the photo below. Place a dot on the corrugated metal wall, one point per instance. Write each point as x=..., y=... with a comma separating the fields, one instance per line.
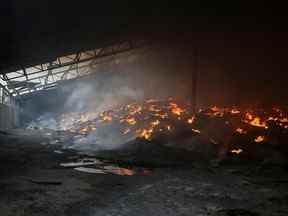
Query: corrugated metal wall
x=8, y=117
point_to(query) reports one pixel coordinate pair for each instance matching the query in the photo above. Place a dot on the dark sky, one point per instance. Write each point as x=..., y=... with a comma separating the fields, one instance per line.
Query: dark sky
x=250, y=49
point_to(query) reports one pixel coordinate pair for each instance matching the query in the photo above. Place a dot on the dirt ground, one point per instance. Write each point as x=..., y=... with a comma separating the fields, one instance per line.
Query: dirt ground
x=230, y=189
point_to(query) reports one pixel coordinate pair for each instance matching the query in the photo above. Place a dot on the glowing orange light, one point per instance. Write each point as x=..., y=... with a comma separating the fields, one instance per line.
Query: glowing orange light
x=169, y=128
x=84, y=130
x=259, y=139
x=136, y=110
x=191, y=120
x=155, y=123
x=151, y=117
x=146, y=134
x=257, y=123
x=241, y=131
x=131, y=121
x=237, y=151
x=175, y=109
x=107, y=119
x=249, y=116
x=215, y=109
x=235, y=111
x=126, y=172
x=196, y=131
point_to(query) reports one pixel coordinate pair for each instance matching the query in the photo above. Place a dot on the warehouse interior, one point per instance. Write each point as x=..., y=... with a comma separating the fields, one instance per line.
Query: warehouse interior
x=137, y=115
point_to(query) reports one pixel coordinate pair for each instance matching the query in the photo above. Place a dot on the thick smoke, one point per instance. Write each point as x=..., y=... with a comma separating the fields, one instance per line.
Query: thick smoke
x=99, y=95
x=152, y=73
x=131, y=77
x=107, y=137
x=127, y=78
x=46, y=121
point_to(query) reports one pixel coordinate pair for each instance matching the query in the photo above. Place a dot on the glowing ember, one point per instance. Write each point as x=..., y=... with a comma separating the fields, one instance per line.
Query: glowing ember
x=215, y=109
x=155, y=123
x=137, y=115
x=249, y=116
x=153, y=108
x=118, y=170
x=191, y=120
x=259, y=139
x=196, y=131
x=241, y=131
x=126, y=172
x=237, y=151
x=93, y=129
x=235, y=111
x=257, y=123
x=175, y=109
x=84, y=130
x=107, y=119
x=216, y=112
x=151, y=118
x=146, y=134
x=136, y=110
x=131, y=121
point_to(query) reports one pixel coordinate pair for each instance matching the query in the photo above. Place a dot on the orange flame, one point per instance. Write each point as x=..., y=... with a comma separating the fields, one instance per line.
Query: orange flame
x=149, y=118
x=249, y=116
x=155, y=123
x=257, y=123
x=146, y=133
x=131, y=121
x=176, y=109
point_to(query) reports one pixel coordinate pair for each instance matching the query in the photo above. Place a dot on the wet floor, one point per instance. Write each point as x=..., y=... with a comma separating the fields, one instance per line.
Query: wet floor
x=28, y=171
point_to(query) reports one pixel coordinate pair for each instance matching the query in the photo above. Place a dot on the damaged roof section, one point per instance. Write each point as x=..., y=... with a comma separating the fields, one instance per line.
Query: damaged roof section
x=48, y=75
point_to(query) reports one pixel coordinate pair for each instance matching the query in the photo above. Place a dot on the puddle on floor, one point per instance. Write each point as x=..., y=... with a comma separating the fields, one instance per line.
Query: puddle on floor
x=95, y=166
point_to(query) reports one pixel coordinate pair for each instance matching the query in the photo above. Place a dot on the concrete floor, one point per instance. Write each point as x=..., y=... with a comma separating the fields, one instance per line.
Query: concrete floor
x=238, y=189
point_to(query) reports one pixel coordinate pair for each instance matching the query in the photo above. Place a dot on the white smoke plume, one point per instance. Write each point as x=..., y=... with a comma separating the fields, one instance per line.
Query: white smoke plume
x=130, y=79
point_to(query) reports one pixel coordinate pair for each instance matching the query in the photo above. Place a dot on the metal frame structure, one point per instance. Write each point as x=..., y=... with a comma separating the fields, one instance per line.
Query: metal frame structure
x=5, y=96
x=51, y=74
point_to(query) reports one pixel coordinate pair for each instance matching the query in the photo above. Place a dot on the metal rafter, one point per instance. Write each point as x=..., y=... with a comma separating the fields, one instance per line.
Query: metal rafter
x=62, y=68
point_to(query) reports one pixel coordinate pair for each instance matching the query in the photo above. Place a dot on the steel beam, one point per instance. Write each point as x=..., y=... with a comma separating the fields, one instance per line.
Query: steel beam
x=65, y=67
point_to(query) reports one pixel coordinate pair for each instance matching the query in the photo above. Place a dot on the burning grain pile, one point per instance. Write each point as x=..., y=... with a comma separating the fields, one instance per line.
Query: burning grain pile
x=231, y=131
